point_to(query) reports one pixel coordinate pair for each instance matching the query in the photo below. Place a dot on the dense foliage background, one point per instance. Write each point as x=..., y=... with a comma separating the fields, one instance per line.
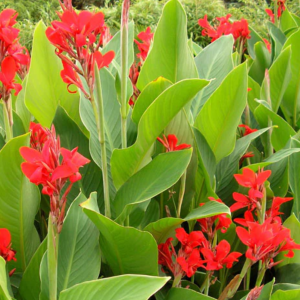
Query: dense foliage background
x=144, y=13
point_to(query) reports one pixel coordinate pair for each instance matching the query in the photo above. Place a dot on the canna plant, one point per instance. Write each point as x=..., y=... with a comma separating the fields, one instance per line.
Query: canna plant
x=145, y=167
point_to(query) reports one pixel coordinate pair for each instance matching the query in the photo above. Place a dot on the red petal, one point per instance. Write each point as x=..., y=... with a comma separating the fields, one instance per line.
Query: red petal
x=263, y=176
x=9, y=68
x=5, y=237
x=30, y=155
x=62, y=172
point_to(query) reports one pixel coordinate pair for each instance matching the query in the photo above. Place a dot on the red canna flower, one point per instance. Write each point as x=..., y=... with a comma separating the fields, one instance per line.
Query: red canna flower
x=270, y=14
x=240, y=30
x=38, y=136
x=248, y=217
x=144, y=46
x=219, y=257
x=274, y=212
x=248, y=130
x=246, y=155
x=171, y=143
x=191, y=263
x=5, y=245
x=189, y=241
x=268, y=45
x=210, y=225
x=251, y=201
x=7, y=77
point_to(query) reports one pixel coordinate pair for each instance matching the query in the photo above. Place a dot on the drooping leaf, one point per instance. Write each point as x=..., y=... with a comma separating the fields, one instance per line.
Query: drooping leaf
x=213, y=63
x=125, y=249
x=219, y=117
x=170, y=56
x=181, y=293
x=4, y=293
x=126, y=162
x=126, y=287
x=19, y=202
x=160, y=174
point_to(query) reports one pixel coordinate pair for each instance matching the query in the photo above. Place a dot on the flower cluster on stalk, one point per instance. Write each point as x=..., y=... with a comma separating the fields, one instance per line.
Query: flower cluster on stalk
x=198, y=249
x=78, y=38
x=280, y=9
x=146, y=38
x=239, y=29
x=14, y=58
x=54, y=167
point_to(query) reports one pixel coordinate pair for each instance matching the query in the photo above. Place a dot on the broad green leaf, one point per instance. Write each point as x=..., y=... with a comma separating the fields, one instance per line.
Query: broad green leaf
x=4, y=293
x=112, y=122
x=19, y=202
x=288, y=273
x=148, y=95
x=229, y=165
x=126, y=287
x=31, y=284
x=280, y=75
x=281, y=133
x=293, y=224
x=261, y=62
x=291, y=100
x=160, y=174
x=287, y=21
x=286, y=295
x=125, y=249
x=71, y=137
x=220, y=116
x=285, y=287
x=45, y=89
x=164, y=228
x=126, y=162
x=213, y=63
x=294, y=178
x=170, y=56
x=180, y=294
x=78, y=249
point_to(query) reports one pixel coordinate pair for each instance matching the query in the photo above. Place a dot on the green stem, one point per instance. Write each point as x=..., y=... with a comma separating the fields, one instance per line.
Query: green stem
x=207, y=284
x=124, y=75
x=8, y=119
x=276, y=13
x=97, y=104
x=181, y=193
x=52, y=242
x=269, y=146
x=260, y=276
x=176, y=281
x=231, y=291
x=241, y=50
x=161, y=205
x=248, y=276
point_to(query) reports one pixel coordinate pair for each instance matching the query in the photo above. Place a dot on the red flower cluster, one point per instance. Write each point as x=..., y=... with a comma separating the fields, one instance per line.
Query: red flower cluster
x=14, y=58
x=171, y=143
x=248, y=130
x=265, y=241
x=212, y=224
x=253, y=181
x=44, y=166
x=239, y=29
x=5, y=245
x=195, y=252
x=280, y=10
x=79, y=36
x=144, y=46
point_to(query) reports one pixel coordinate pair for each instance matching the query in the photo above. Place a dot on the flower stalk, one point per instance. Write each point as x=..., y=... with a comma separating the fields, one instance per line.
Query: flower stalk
x=97, y=104
x=181, y=193
x=124, y=70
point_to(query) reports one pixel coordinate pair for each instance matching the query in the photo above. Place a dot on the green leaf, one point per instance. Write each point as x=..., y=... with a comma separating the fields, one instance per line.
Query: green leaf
x=220, y=116
x=78, y=249
x=253, y=94
x=126, y=162
x=112, y=122
x=170, y=56
x=180, y=293
x=280, y=75
x=291, y=103
x=71, y=137
x=286, y=295
x=19, y=202
x=213, y=63
x=31, y=284
x=125, y=249
x=160, y=174
x=229, y=165
x=278, y=39
x=261, y=62
x=126, y=287
x=287, y=21
x=266, y=291
x=164, y=228
x=281, y=133
x=148, y=95
x=255, y=38
x=4, y=293
x=285, y=287
x=45, y=89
